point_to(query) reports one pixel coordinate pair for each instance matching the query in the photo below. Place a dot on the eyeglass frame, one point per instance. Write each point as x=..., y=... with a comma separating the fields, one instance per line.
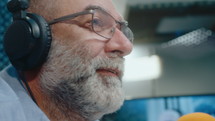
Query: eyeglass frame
x=92, y=11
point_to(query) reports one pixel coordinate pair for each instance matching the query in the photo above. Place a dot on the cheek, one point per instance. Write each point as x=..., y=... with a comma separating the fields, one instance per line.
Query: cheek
x=92, y=41
x=96, y=47
x=73, y=34
x=67, y=34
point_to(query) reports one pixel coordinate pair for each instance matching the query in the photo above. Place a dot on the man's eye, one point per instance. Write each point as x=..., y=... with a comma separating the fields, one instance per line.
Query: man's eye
x=97, y=22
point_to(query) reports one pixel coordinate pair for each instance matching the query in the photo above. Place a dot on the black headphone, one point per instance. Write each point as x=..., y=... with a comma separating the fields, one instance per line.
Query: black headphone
x=28, y=39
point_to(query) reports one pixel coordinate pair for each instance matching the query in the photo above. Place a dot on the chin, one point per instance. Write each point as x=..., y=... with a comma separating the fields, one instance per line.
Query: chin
x=107, y=97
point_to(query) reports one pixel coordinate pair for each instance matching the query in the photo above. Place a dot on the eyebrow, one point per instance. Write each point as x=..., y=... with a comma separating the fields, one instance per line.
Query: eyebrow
x=89, y=7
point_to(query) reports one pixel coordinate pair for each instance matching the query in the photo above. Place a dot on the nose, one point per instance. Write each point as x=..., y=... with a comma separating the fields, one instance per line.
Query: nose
x=119, y=44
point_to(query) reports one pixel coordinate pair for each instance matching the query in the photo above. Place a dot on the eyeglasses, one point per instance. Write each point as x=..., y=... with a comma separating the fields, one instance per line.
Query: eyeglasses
x=99, y=21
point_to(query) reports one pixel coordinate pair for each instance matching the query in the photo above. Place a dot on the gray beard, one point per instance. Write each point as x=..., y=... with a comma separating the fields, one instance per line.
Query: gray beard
x=70, y=81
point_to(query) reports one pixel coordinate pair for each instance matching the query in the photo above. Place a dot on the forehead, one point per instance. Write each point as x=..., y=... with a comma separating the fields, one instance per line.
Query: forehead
x=73, y=6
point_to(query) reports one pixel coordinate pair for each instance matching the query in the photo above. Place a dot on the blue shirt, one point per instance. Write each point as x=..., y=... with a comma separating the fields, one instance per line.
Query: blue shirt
x=15, y=103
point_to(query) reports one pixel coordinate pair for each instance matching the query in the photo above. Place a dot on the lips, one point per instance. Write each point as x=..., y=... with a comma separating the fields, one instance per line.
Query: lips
x=109, y=71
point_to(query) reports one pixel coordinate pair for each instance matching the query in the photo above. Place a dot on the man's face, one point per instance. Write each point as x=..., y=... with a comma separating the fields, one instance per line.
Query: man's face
x=84, y=71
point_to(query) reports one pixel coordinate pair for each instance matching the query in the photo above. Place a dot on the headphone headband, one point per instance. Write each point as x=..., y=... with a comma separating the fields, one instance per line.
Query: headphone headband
x=17, y=5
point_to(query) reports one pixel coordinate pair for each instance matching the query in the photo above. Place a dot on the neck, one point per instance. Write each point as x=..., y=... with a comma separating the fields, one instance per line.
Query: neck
x=54, y=113
x=47, y=105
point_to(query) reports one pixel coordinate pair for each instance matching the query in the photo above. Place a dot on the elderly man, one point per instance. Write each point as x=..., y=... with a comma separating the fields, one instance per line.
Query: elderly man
x=80, y=79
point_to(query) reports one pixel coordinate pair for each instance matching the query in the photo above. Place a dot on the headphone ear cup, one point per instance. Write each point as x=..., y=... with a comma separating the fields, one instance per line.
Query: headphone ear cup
x=43, y=43
x=27, y=42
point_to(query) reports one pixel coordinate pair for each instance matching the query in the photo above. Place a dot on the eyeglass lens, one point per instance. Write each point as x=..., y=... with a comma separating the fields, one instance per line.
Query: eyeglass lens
x=104, y=25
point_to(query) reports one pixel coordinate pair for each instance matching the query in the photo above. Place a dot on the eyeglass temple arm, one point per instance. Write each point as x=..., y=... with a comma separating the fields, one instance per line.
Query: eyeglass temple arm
x=71, y=16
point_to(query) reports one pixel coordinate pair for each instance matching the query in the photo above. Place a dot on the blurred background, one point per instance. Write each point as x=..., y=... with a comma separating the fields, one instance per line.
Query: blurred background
x=171, y=71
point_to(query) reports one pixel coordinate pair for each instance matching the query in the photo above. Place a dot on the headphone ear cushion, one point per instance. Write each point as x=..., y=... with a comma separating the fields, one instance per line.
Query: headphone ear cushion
x=27, y=42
